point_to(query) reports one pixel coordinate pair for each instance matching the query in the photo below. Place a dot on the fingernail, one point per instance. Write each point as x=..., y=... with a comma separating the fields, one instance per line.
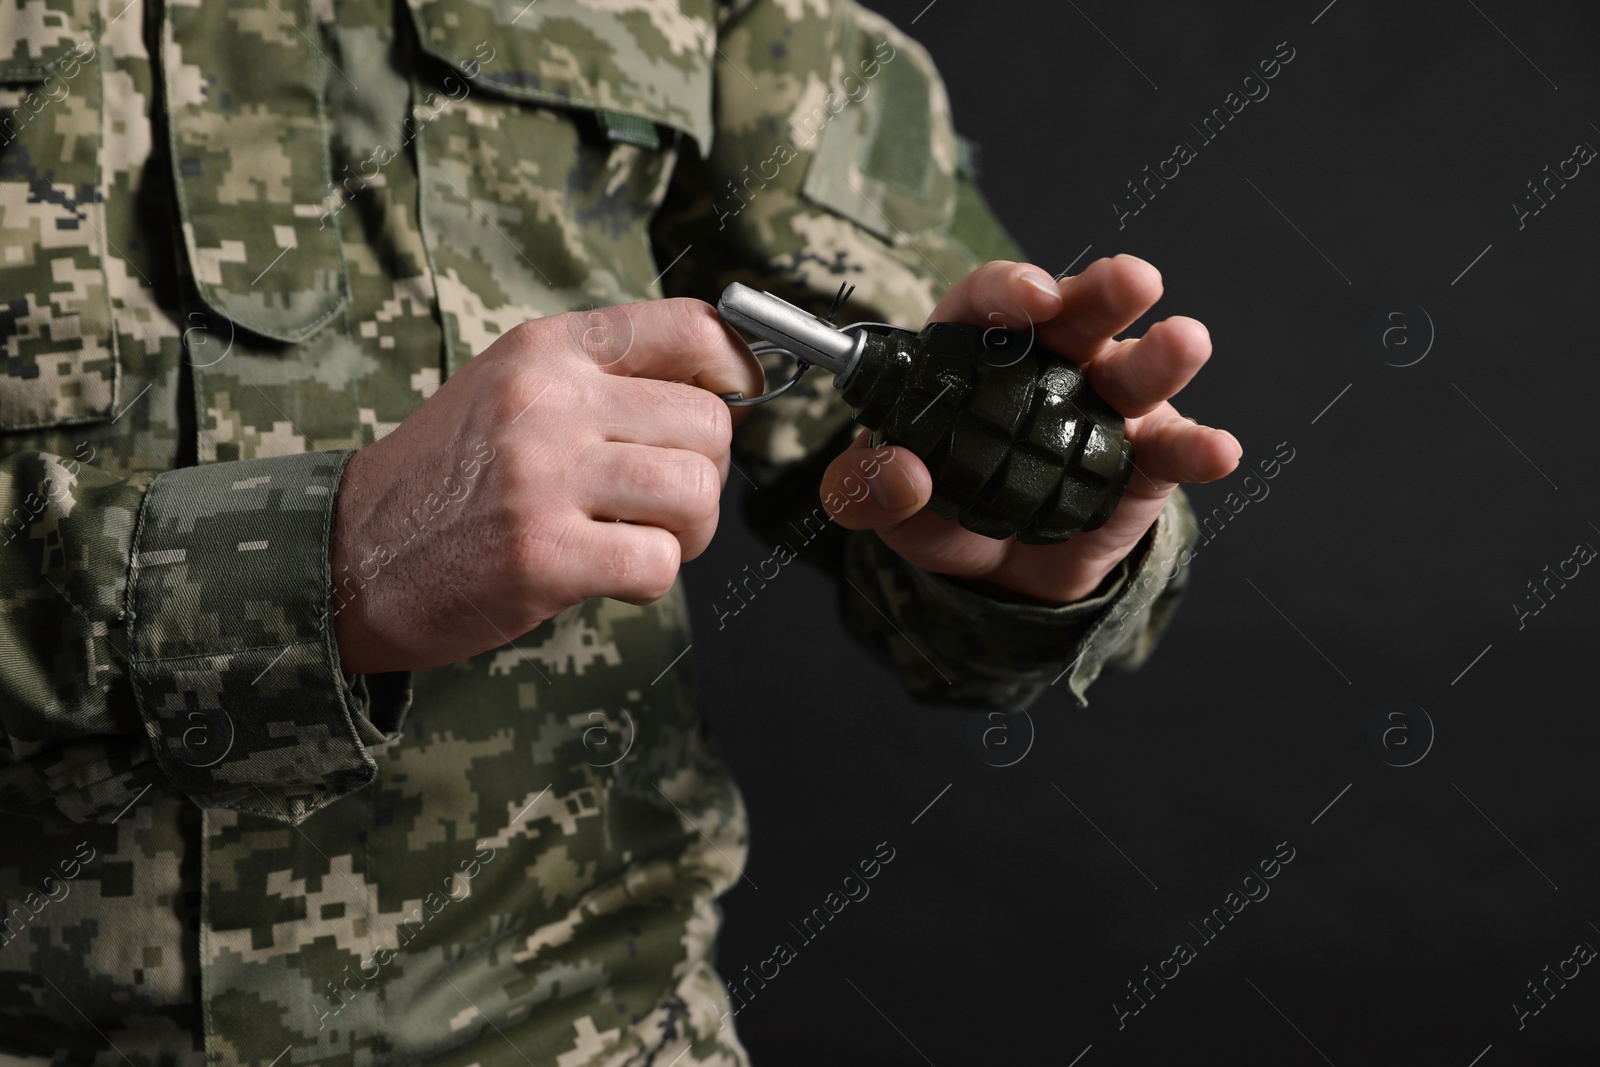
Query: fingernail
x=891, y=489
x=1041, y=281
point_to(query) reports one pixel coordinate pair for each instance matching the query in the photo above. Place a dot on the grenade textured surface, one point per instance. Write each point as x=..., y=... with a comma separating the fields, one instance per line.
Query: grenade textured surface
x=1017, y=441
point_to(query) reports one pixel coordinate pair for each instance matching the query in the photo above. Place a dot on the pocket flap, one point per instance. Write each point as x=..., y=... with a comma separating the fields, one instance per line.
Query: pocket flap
x=645, y=58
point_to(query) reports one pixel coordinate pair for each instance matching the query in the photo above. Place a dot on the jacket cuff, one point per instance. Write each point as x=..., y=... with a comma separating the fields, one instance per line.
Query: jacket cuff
x=234, y=653
x=954, y=645
x=1124, y=634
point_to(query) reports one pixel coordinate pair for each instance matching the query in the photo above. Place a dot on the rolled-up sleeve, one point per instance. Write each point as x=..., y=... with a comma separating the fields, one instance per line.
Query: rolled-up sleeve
x=952, y=645
x=233, y=650
x=177, y=629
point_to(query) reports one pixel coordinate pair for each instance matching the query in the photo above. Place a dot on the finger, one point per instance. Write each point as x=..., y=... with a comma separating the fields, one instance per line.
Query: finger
x=936, y=544
x=887, y=489
x=623, y=561
x=1013, y=295
x=693, y=542
x=1135, y=376
x=666, y=415
x=871, y=488
x=672, y=488
x=670, y=340
x=1100, y=303
x=1171, y=449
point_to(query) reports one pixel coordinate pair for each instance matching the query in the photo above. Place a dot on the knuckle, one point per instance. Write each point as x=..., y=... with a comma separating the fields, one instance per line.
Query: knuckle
x=704, y=410
x=687, y=480
x=695, y=322
x=538, y=540
x=545, y=555
x=526, y=334
x=995, y=269
x=714, y=416
x=534, y=549
x=1001, y=278
x=514, y=347
x=701, y=482
x=646, y=565
x=519, y=395
x=561, y=405
x=694, y=542
x=601, y=336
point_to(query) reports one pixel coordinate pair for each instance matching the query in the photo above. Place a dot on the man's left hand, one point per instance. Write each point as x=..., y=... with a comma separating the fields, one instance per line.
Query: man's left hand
x=1079, y=318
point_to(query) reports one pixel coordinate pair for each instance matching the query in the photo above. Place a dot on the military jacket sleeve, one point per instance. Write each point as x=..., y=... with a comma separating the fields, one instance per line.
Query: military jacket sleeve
x=203, y=594
x=835, y=161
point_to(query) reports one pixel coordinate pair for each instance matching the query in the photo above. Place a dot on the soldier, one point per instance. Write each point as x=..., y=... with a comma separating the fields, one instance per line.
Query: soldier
x=335, y=339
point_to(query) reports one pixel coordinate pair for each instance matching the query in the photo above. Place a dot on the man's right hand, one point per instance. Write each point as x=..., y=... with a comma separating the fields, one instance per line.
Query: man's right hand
x=571, y=459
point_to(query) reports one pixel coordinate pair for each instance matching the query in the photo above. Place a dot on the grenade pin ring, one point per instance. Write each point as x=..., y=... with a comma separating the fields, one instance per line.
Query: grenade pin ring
x=767, y=348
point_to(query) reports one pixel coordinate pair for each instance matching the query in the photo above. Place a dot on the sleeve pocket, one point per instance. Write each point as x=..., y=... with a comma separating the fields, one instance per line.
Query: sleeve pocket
x=886, y=152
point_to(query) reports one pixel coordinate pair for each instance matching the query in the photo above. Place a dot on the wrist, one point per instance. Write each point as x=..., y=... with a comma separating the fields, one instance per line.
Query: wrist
x=1085, y=583
x=347, y=608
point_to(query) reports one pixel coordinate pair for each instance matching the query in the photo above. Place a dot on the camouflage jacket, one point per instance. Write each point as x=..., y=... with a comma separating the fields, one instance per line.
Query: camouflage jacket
x=243, y=239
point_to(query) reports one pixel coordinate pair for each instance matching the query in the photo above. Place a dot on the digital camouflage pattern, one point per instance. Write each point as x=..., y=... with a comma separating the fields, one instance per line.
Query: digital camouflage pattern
x=238, y=241
x=55, y=313
x=250, y=165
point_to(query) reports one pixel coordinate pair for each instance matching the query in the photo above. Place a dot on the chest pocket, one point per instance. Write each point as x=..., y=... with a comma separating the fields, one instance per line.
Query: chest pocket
x=650, y=59
x=250, y=166
x=56, y=343
x=546, y=148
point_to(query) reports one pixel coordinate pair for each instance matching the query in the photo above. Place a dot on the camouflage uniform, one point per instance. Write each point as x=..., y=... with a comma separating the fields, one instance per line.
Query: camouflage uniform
x=240, y=240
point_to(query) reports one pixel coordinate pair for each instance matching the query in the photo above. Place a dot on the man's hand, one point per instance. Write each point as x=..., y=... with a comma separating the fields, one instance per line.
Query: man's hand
x=1078, y=318
x=579, y=455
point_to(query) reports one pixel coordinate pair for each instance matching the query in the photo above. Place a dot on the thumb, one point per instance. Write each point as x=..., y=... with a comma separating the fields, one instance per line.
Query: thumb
x=867, y=488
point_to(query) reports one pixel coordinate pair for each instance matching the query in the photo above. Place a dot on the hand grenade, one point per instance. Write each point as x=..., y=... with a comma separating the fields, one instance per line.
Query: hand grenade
x=1017, y=441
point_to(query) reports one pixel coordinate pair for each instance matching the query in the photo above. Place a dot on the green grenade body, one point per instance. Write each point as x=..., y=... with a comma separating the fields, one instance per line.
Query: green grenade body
x=1017, y=441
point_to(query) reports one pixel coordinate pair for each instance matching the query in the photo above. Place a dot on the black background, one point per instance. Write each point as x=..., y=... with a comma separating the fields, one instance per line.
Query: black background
x=1383, y=566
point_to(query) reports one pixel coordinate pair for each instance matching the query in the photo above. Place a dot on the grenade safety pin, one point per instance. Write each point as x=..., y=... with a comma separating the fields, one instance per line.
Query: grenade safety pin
x=1017, y=441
